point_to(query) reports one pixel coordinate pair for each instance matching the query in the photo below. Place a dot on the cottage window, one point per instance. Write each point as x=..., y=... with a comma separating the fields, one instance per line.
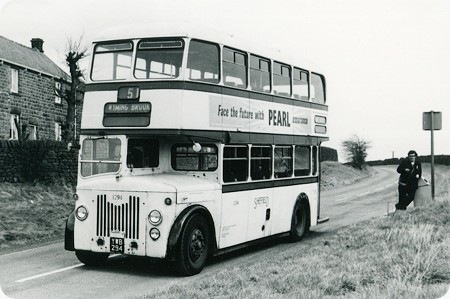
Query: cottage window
x=14, y=124
x=33, y=132
x=57, y=90
x=57, y=131
x=14, y=80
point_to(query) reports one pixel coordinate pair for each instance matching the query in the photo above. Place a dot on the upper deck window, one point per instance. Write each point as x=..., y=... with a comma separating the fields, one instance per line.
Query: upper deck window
x=259, y=73
x=159, y=59
x=234, y=68
x=318, y=89
x=112, y=61
x=301, y=84
x=203, y=62
x=281, y=79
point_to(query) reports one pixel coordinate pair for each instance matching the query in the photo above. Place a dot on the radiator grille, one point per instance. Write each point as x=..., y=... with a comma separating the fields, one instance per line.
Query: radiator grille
x=118, y=217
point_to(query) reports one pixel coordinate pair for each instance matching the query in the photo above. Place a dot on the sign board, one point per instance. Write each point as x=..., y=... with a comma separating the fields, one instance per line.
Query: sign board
x=431, y=120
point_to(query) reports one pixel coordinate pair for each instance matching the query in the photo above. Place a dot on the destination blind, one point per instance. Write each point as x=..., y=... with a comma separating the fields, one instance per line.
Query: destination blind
x=119, y=108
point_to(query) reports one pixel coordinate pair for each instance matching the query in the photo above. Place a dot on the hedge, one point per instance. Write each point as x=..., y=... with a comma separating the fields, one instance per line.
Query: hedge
x=44, y=161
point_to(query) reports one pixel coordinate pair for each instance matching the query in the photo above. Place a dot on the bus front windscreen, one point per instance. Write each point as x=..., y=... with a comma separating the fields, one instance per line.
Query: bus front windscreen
x=100, y=156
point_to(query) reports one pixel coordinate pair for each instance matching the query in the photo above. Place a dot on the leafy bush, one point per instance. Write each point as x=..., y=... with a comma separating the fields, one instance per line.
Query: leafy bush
x=356, y=150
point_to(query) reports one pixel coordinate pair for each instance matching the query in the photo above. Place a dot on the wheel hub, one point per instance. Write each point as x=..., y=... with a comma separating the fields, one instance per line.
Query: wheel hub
x=197, y=244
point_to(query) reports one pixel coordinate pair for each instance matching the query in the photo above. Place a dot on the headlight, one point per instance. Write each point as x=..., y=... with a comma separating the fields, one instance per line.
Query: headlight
x=81, y=213
x=155, y=217
x=154, y=234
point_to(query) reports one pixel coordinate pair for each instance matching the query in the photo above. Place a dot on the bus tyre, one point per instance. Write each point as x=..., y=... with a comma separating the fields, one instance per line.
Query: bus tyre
x=194, y=246
x=300, y=223
x=90, y=258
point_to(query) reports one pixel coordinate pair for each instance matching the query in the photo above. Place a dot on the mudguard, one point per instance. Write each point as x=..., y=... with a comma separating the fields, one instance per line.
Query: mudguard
x=68, y=234
x=177, y=227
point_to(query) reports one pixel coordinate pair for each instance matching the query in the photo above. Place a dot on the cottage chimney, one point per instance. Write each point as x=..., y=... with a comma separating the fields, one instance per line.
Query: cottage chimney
x=37, y=43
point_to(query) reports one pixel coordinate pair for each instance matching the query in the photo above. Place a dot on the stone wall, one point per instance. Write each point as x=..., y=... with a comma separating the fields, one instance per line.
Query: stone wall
x=41, y=161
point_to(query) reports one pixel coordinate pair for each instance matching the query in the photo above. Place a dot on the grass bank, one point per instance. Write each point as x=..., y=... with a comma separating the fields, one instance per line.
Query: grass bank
x=31, y=215
x=335, y=174
x=406, y=255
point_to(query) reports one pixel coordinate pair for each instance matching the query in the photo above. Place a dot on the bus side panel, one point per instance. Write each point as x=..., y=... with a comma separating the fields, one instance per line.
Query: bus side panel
x=259, y=213
x=198, y=113
x=233, y=228
x=313, y=196
x=284, y=202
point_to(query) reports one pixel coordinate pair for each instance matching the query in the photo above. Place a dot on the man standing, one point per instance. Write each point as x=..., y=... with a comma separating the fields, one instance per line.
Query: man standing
x=410, y=171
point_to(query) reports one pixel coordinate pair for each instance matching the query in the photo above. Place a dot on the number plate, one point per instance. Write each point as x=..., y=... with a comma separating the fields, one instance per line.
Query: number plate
x=116, y=245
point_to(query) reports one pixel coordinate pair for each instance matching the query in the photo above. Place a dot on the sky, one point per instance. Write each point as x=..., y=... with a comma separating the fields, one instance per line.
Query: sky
x=385, y=61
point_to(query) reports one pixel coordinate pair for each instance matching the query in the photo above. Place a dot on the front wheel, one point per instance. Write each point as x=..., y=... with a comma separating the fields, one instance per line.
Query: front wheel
x=194, y=246
x=90, y=258
x=300, y=223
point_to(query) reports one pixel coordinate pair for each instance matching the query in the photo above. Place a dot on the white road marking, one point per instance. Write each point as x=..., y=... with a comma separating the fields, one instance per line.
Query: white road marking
x=49, y=273
x=55, y=271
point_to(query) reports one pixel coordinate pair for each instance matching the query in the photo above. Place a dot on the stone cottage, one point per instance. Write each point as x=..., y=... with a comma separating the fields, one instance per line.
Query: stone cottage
x=28, y=79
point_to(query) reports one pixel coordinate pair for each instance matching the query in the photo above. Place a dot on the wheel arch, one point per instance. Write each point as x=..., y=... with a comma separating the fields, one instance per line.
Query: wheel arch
x=177, y=227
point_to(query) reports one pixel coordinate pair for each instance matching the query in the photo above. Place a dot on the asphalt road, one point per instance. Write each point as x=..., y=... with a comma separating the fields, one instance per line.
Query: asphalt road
x=52, y=272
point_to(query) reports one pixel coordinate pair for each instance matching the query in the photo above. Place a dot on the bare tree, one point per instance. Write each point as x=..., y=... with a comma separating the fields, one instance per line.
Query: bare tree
x=70, y=93
x=356, y=151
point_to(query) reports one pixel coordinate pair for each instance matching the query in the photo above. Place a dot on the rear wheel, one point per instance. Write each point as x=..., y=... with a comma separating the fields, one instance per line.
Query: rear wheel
x=300, y=223
x=90, y=258
x=194, y=246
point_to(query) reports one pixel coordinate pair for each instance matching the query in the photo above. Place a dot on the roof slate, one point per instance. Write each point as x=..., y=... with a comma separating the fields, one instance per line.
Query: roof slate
x=21, y=55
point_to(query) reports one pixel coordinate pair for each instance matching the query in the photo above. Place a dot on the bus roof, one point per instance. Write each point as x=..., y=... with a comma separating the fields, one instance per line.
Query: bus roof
x=200, y=32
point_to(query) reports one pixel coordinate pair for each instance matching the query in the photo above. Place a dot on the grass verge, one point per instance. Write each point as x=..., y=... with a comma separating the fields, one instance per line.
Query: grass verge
x=406, y=255
x=31, y=215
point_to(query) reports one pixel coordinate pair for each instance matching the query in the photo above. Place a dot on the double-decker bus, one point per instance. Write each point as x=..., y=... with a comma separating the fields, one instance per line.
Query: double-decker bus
x=194, y=143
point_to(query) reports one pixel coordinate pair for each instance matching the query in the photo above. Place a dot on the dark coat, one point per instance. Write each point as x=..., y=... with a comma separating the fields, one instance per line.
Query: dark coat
x=408, y=178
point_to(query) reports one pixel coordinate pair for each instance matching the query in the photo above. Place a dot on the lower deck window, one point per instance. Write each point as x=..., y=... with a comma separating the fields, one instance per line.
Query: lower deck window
x=283, y=161
x=143, y=153
x=235, y=164
x=185, y=158
x=302, y=163
x=261, y=163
